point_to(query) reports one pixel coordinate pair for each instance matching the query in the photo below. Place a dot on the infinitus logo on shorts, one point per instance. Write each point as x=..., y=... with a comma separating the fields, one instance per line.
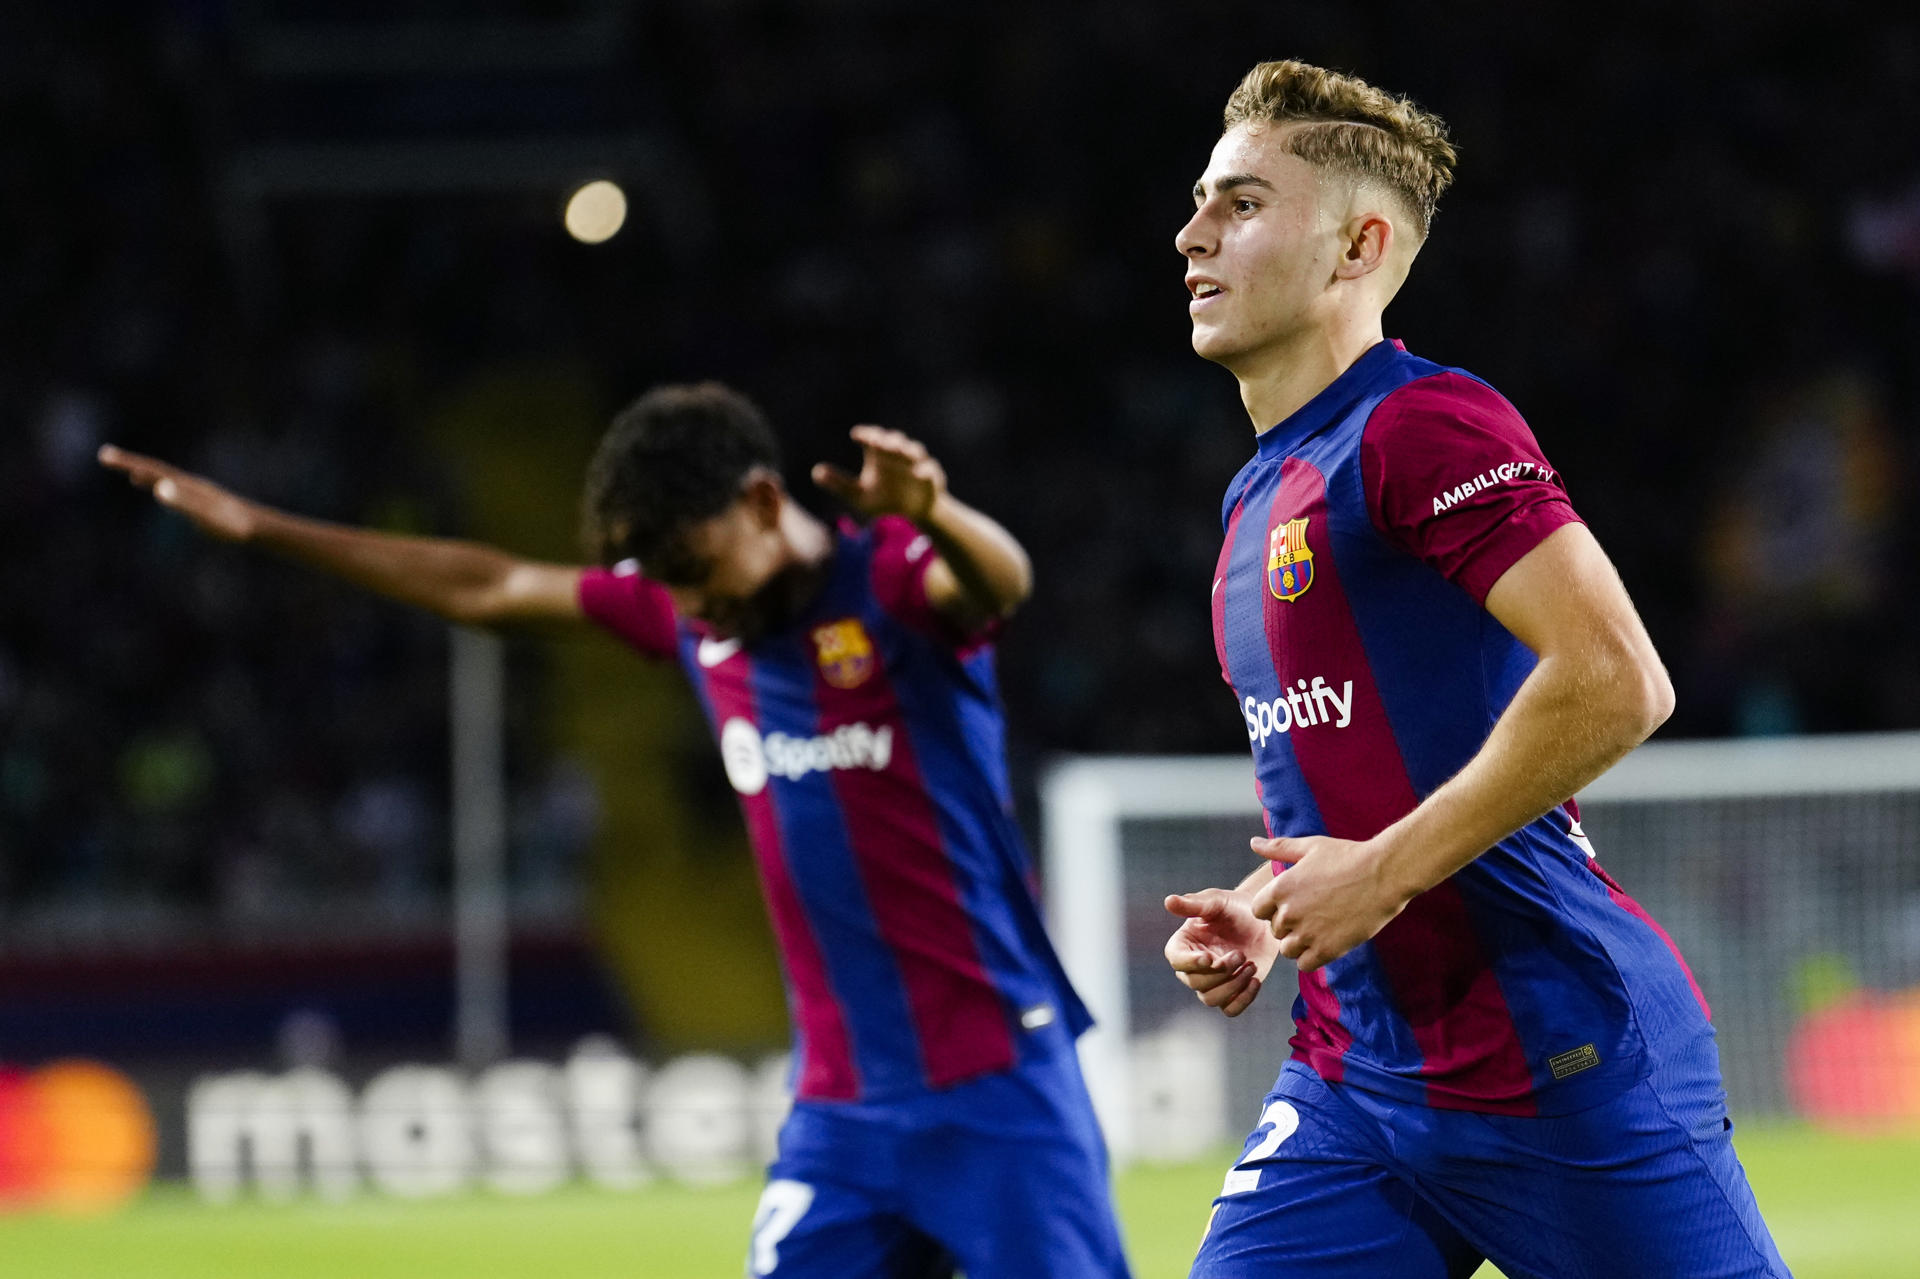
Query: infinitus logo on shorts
x=1302, y=706
x=750, y=759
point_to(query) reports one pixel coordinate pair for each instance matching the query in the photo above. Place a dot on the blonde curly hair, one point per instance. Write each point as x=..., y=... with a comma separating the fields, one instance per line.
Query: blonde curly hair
x=1354, y=129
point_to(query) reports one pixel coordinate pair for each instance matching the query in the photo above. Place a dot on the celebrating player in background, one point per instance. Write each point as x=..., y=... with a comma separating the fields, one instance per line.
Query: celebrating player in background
x=940, y=1119
x=1498, y=1054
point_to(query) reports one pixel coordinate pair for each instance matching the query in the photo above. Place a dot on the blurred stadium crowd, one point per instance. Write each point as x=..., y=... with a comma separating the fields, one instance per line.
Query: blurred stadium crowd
x=1688, y=249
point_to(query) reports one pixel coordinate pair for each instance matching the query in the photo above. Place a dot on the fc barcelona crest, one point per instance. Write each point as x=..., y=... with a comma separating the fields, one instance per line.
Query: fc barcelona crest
x=844, y=652
x=1289, y=560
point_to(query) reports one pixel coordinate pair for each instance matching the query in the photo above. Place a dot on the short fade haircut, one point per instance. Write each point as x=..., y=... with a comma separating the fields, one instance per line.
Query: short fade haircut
x=1369, y=133
x=672, y=458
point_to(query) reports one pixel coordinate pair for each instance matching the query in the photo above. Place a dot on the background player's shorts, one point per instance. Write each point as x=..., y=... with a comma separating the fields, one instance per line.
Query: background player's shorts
x=1337, y=1183
x=1004, y=1177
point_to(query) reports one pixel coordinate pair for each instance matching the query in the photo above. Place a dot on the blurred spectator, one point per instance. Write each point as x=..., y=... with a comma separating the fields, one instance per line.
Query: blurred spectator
x=1799, y=549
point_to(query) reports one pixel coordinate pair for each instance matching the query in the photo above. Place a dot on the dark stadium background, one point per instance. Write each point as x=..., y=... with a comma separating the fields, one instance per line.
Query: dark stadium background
x=319, y=256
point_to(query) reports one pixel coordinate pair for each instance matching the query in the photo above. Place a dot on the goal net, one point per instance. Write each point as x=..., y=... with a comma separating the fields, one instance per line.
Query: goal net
x=1787, y=870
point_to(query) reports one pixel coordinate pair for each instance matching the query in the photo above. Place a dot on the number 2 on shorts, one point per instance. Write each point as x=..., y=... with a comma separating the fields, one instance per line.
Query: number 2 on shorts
x=1285, y=1121
x=782, y=1204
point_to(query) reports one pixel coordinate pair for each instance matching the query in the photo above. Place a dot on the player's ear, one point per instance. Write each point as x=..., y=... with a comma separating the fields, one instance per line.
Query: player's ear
x=764, y=495
x=1365, y=241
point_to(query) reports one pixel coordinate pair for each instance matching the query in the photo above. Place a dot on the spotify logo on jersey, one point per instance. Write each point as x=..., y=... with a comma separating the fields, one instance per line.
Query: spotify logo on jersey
x=744, y=757
x=1300, y=707
x=752, y=759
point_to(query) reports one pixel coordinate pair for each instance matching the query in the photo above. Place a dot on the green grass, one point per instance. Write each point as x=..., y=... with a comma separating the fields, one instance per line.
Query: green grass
x=1840, y=1209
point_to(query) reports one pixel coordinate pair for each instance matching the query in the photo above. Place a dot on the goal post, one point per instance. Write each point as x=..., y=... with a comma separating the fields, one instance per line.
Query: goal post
x=1085, y=801
x=1787, y=870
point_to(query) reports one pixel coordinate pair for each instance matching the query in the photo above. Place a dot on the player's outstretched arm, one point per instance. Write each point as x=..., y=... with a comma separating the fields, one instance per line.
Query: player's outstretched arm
x=462, y=581
x=1597, y=691
x=982, y=572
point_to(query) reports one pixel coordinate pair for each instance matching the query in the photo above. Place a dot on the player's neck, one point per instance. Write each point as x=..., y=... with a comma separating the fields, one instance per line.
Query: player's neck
x=810, y=546
x=800, y=577
x=1287, y=375
x=809, y=541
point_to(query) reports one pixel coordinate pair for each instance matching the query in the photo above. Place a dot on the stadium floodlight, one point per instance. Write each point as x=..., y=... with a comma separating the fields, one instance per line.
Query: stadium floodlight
x=596, y=212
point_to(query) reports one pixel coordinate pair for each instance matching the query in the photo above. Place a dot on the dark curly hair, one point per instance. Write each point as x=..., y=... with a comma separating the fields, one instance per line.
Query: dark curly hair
x=675, y=456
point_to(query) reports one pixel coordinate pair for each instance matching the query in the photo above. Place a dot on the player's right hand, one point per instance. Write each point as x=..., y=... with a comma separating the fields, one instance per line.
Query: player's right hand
x=1221, y=952
x=213, y=509
x=897, y=476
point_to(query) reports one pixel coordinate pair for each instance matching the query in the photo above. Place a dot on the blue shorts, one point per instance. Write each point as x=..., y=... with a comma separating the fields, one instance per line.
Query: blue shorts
x=1336, y=1183
x=1004, y=1177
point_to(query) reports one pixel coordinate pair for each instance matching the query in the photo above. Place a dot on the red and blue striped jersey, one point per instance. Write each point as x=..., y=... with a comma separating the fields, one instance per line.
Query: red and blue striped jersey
x=866, y=743
x=1349, y=619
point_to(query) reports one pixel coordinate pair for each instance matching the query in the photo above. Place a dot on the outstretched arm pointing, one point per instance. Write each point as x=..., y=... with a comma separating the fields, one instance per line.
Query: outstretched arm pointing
x=461, y=581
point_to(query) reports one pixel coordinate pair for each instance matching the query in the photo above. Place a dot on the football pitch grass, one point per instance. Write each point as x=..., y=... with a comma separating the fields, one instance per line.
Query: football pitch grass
x=1841, y=1208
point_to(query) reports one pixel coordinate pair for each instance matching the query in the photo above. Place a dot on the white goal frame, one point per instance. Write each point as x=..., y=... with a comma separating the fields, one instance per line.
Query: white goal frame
x=1084, y=799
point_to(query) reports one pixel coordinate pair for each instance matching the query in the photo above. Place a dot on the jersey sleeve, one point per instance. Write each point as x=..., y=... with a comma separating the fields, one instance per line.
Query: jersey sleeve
x=902, y=555
x=637, y=610
x=1454, y=477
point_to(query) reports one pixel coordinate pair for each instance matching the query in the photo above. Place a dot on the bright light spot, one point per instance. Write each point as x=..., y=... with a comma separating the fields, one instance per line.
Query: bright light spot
x=596, y=212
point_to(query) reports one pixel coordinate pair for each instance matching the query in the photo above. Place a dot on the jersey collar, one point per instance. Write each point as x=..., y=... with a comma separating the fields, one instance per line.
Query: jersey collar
x=1318, y=413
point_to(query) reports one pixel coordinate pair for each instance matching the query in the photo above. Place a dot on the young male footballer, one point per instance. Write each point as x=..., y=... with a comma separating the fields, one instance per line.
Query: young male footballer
x=940, y=1121
x=1498, y=1054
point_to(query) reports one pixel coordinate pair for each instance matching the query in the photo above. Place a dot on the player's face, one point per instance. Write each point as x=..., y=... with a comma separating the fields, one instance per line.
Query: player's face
x=1260, y=252
x=728, y=569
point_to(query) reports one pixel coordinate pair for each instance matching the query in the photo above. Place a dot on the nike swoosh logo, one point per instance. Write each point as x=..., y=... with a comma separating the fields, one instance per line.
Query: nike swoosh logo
x=712, y=652
x=1216, y=584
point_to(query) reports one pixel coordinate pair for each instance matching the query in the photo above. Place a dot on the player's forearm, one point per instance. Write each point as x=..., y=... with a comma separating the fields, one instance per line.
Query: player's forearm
x=989, y=562
x=461, y=581
x=1571, y=720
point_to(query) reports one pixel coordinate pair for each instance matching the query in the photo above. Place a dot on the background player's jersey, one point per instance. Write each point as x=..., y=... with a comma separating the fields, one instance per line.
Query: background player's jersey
x=867, y=746
x=1348, y=615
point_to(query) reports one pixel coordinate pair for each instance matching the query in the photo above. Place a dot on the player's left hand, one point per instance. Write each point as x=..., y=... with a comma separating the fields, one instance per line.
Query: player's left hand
x=1331, y=898
x=897, y=476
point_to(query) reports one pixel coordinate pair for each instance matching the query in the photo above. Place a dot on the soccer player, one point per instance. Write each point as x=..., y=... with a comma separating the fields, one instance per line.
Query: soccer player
x=1498, y=1054
x=940, y=1119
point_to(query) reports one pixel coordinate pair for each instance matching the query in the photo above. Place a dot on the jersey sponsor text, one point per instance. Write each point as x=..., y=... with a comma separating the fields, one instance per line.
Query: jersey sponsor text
x=751, y=759
x=1505, y=473
x=1303, y=705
